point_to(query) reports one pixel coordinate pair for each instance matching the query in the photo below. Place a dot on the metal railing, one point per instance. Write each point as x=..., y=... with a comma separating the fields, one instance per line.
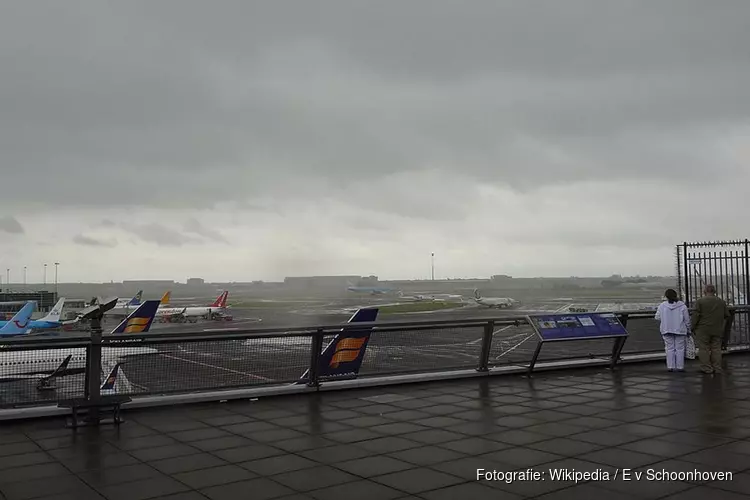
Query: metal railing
x=162, y=368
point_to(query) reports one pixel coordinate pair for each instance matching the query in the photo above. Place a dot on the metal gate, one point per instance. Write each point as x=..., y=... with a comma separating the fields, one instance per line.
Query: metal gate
x=724, y=264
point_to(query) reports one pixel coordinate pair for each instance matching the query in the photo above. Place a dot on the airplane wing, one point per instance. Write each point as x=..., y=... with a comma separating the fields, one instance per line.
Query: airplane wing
x=44, y=376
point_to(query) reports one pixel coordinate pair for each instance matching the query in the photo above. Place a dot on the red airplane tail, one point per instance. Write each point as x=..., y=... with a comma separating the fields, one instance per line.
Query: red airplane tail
x=221, y=300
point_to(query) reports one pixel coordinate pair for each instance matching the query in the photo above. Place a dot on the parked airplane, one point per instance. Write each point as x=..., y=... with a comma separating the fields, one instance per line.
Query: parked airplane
x=374, y=290
x=50, y=321
x=192, y=313
x=123, y=309
x=416, y=297
x=45, y=365
x=498, y=302
x=135, y=301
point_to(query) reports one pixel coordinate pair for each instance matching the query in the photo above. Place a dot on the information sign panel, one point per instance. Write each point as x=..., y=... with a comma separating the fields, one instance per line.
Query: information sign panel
x=578, y=326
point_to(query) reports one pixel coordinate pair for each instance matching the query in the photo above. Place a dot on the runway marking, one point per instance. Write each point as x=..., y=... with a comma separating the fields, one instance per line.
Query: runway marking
x=257, y=377
x=451, y=355
x=566, y=306
x=477, y=341
x=515, y=346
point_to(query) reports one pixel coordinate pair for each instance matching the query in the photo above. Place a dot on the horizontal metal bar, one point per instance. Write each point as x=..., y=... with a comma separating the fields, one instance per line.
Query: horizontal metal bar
x=703, y=244
x=199, y=336
x=62, y=344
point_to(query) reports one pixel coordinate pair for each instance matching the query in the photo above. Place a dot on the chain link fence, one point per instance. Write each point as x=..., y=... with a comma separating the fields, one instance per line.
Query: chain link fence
x=159, y=364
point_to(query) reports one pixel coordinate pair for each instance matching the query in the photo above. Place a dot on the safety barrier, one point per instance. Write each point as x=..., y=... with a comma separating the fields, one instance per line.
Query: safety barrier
x=164, y=368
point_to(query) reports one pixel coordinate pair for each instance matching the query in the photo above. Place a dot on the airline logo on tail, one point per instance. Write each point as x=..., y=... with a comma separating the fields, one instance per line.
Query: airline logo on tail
x=139, y=321
x=111, y=380
x=56, y=312
x=20, y=321
x=221, y=300
x=137, y=325
x=137, y=299
x=347, y=350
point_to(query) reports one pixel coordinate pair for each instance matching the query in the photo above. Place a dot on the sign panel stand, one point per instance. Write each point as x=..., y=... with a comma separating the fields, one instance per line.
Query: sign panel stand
x=570, y=327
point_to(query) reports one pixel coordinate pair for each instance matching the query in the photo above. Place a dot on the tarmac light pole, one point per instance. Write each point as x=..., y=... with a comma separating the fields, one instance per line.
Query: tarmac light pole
x=56, y=264
x=45, y=275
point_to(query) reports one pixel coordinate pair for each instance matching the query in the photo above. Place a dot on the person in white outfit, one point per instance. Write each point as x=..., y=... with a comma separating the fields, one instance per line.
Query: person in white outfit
x=675, y=327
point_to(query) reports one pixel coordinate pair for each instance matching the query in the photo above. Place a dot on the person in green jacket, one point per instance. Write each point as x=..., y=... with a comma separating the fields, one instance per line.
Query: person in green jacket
x=708, y=320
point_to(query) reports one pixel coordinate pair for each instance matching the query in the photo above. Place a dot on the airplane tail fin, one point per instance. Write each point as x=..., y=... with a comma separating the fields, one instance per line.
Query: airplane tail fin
x=139, y=321
x=20, y=321
x=136, y=301
x=165, y=298
x=342, y=358
x=221, y=300
x=108, y=386
x=56, y=312
x=476, y=294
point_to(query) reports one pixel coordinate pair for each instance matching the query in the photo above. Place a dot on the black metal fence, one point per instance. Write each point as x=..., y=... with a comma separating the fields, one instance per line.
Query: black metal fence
x=181, y=363
x=724, y=264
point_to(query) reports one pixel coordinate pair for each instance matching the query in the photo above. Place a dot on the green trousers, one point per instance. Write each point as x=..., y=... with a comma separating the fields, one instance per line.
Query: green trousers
x=709, y=352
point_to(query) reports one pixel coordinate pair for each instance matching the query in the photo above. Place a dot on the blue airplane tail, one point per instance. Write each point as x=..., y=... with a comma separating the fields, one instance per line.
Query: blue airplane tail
x=139, y=321
x=135, y=301
x=19, y=323
x=108, y=385
x=342, y=358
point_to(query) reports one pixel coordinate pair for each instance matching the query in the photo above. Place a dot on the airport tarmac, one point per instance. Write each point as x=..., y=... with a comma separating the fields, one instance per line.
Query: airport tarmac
x=194, y=366
x=180, y=366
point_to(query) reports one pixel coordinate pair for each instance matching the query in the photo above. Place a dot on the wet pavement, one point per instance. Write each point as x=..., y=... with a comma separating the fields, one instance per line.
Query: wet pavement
x=572, y=433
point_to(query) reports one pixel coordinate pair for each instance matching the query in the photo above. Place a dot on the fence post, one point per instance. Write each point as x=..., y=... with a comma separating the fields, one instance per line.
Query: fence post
x=685, y=269
x=315, y=349
x=484, y=356
x=747, y=273
x=619, y=342
x=727, y=330
x=94, y=369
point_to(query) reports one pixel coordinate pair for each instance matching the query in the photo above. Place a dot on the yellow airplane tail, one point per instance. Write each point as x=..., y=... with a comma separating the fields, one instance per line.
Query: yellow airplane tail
x=165, y=298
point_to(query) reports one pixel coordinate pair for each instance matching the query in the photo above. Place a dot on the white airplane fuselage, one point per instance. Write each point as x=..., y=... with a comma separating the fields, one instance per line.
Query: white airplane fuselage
x=495, y=302
x=188, y=312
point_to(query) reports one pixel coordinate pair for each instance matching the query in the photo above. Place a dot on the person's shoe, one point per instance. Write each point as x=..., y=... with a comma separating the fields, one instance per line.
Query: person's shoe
x=670, y=370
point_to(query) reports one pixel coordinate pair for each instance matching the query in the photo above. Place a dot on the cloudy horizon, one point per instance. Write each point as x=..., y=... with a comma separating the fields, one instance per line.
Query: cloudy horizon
x=242, y=140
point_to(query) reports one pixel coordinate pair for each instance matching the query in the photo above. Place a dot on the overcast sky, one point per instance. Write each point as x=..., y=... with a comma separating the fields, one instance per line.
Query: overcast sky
x=239, y=140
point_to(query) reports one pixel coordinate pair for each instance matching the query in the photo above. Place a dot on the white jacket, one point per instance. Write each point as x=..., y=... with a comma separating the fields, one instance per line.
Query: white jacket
x=674, y=318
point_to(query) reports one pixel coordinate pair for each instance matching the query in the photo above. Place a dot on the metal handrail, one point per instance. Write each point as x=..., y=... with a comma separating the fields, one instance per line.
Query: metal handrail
x=307, y=331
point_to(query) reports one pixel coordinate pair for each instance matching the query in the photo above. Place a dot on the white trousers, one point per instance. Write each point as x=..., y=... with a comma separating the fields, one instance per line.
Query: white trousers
x=674, y=345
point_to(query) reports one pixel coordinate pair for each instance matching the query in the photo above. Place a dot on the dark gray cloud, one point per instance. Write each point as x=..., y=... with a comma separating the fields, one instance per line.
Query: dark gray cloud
x=186, y=103
x=82, y=239
x=159, y=234
x=194, y=226
x=9, y=224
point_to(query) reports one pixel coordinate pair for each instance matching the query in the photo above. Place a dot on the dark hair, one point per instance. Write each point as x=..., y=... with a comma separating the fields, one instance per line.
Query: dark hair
x=671, y=296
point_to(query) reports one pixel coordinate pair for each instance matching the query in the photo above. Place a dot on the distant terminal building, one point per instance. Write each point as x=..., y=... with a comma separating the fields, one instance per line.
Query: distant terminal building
x=195, y=281
x=147, y=283
x=299, y=282
x=13, y=301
